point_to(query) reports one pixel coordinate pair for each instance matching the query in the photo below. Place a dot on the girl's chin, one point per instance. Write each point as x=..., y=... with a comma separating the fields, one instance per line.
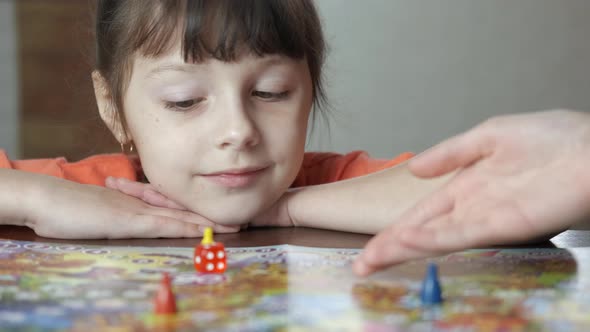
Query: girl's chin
x=231, y=212
x=228, y=218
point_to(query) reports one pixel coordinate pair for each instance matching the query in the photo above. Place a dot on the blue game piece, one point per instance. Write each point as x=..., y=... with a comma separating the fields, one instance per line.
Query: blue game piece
x=431, y=292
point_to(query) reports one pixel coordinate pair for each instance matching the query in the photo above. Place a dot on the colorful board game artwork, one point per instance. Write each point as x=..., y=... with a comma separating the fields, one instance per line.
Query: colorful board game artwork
x=47, y=286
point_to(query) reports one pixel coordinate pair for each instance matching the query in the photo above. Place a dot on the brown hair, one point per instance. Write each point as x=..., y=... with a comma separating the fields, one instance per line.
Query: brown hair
x=212, y=28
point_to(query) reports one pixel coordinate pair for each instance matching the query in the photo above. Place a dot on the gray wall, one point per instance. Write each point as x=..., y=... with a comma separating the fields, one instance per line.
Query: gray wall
x=8, y=80
x=404, y=74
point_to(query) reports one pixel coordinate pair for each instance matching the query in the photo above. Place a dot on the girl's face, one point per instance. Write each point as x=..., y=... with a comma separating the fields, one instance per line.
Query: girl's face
x=224, y=139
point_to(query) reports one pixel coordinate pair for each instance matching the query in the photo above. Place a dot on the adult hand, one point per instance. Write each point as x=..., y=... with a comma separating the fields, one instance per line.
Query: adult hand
x=68, y=210
x=520, y=177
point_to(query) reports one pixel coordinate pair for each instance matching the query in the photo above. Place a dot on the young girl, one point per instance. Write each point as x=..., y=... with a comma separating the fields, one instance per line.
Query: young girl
x=214, y=97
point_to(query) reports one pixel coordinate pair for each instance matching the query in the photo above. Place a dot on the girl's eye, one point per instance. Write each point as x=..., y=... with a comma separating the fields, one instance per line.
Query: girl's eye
x=271, y=96
x=183, y=105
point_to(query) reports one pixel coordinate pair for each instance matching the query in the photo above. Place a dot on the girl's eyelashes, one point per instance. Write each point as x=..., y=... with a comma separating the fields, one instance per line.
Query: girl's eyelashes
x=189, y=104
x=270, y=96
x=183, y=105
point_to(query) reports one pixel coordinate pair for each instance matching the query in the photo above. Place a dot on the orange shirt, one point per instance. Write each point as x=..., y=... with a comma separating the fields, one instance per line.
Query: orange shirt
x=317, y=168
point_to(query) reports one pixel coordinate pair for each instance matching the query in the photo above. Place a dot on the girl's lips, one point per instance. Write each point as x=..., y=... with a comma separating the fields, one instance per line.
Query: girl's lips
x=236, y=178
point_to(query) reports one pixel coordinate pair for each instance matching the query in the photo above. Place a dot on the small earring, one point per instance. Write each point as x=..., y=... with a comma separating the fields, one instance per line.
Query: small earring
x=121, y=143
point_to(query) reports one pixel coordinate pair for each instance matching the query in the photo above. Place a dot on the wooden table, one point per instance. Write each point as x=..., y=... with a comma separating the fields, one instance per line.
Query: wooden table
x=273, y=236
x=260, y=236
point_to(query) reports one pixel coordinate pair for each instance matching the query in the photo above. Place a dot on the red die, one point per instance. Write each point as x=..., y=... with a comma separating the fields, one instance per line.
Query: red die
x=210, y=256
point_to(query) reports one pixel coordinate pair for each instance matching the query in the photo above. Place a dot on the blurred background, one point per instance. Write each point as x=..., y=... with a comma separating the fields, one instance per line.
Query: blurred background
x=401, y=74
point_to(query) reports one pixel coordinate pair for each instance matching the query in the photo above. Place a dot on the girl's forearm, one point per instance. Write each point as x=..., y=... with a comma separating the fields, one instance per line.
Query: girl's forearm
x=363, y=205
x=16, y=194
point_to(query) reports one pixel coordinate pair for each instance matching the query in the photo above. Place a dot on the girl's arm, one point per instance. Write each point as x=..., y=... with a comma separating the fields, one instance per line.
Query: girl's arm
x=15, y=197
x=59, y=208
x=364, y=204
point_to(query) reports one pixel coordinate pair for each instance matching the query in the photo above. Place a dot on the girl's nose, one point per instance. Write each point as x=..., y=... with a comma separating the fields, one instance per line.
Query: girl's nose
x=238, y=130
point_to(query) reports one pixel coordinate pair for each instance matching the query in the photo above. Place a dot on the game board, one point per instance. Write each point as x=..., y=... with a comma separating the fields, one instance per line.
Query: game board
x=46, y=286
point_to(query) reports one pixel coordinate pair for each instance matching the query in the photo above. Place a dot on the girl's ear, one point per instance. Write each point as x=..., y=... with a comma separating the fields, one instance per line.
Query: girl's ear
x=106, y=108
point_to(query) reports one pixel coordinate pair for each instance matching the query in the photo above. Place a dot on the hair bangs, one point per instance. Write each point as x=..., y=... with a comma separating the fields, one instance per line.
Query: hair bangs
x=222, y=29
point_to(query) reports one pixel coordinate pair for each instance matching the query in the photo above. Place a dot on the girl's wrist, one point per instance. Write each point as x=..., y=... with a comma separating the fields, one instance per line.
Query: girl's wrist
x=17, y=196
x=290, y=207
x=277, y=215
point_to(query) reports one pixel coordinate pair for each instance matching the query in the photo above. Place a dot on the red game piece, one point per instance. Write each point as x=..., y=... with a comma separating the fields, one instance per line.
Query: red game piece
x=165, y=303
x=209, y=256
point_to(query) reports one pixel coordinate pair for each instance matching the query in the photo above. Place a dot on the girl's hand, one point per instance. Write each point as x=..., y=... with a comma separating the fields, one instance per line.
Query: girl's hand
x=520, y=178
x=148, y=193
x=144, y=191
x=68, y=210
x=276, y=215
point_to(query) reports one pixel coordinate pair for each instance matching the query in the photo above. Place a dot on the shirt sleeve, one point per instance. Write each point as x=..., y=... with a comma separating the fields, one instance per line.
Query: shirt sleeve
x=92, y=170
x=326, y=167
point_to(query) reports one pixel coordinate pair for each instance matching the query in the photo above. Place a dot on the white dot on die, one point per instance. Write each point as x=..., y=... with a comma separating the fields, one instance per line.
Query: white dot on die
x=220, y=254
x=220, y=265
x=210, y=255
x=198, y=259
x=210, y=267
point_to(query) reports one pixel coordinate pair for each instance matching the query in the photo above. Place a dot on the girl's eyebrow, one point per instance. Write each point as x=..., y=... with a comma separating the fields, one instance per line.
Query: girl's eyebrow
x=191, y=67
x=182, y=67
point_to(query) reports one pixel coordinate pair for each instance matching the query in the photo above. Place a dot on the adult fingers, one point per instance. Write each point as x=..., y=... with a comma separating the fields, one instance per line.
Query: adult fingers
x=410, y=242
x=385, y=250
x=456, y=152
x=435, y=204
x=441, y=236
x=447, y=235
x=371, y=261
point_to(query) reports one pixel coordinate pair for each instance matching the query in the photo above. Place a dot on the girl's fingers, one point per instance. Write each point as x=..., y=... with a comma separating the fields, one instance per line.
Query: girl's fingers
x=110, y=183
x=193, y=218
x=156, y=199
x=164, y=207
x=143, y=191
x=456, y=152
x=226, y=229
x=150, y=226
x=125, y=186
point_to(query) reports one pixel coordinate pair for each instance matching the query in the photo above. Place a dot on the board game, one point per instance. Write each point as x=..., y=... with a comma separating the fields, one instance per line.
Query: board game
x=61, y=287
